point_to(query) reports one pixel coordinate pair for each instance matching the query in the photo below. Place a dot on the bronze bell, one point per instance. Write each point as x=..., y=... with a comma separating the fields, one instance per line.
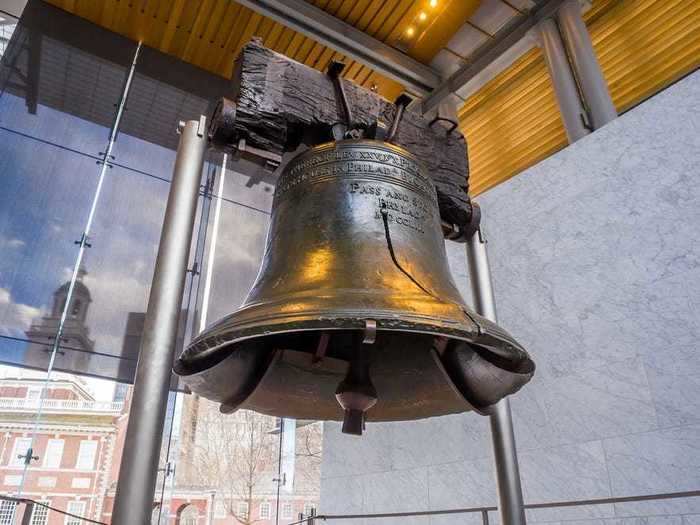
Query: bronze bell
x=354, y=315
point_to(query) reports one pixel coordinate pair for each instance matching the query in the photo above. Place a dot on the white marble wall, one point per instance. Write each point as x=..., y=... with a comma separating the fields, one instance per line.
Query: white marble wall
x=595, y=255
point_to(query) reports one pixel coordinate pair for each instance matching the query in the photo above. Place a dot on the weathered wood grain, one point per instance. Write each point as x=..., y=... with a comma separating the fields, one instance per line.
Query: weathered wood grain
x=281, y=103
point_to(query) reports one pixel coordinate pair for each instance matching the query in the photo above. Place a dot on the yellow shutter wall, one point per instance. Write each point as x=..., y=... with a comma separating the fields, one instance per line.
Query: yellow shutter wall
x=644, y=45
x=511, y=123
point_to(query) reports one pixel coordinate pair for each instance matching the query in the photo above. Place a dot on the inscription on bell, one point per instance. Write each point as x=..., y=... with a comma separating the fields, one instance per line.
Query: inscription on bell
x=410, y=211
x=356, y=163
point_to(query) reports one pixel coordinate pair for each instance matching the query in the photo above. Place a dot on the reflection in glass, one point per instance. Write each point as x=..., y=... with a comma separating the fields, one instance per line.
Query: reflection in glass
x=239, y=248
x=8, y=24
x=73, y=447
x=237, y=459
x=42, y=212
x=57, y=101
x=248, y=184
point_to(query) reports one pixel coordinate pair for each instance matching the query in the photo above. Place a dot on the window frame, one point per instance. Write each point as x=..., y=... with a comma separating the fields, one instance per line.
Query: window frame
x=268, y=512
x=14, y=461
x=82, y=485
x=40, y=508
x=84, y=442
x=70, y=520
x=36, y=391
x=220, y=510
x=8, y=509
x=45, y=462
x=243, y=514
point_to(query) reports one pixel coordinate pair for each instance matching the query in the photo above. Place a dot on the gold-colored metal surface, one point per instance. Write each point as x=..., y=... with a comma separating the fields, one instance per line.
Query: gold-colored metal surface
x=355, y=240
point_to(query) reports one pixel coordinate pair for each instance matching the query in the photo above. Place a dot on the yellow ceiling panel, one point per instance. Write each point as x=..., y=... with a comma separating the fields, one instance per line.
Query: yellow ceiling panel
x=210, y=33
x=439, y=24
x=511, y=123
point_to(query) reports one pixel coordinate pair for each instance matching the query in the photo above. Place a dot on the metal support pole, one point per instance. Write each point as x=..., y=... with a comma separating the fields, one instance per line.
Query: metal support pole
x=573, y=113
x=278, y=479
x=510, y=494
x=27, y=514
x=139, y=466
x=585, y=63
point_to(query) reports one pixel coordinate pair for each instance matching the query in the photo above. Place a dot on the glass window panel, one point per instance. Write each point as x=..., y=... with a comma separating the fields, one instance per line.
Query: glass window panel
x=40, y=514
x=45, y=201
x=7, y=512
x=54, y=453
x=155, y=109
x=13, y=480
x=240, y=245
x=119, y=269
x=164, y=92
x=248, y=184
x=119, y=265
x=57, y=93
x=19, y=449
x=242, y=510
x=8, y=24
x=78, y=509
x=61, y=77
x=74, y=406
x=86, y=455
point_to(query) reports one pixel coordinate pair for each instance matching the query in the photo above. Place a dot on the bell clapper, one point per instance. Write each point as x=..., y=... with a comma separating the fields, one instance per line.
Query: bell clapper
x=321, y=348
x=356, y=393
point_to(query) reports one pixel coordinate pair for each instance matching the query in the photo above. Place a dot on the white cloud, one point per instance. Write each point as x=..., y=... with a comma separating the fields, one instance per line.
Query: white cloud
x=11, y=243
x=16, y=317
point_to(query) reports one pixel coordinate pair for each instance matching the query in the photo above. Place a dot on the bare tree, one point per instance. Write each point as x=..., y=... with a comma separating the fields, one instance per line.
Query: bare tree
x=309, y=447
x=236, y=454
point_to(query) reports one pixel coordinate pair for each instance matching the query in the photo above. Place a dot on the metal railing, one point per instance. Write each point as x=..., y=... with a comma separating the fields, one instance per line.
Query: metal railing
x=484, y=511
x=21, y=404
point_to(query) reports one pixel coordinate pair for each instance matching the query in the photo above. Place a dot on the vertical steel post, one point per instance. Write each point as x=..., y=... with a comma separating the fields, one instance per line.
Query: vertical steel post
x=27, y=514
x=510, y=494
x=278, y=479
x=212, y=508
x=139, y=466
x=585, y=63
x=571, y=108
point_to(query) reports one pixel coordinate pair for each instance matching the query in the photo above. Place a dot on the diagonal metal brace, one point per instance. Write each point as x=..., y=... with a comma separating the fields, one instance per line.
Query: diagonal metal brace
x=349, y=131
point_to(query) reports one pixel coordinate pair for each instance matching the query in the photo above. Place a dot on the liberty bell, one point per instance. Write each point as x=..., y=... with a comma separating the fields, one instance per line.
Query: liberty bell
x=354, y=315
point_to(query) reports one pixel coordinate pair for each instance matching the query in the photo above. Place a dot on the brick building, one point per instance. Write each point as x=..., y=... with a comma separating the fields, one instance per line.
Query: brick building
x=78, y=451
x=74, y=446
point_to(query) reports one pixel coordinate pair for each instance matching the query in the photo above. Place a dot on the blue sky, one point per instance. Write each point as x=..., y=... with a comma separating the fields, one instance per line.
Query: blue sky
x=45, y=194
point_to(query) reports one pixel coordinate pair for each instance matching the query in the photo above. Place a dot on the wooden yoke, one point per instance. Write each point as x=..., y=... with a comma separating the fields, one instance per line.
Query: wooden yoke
x=278, y=104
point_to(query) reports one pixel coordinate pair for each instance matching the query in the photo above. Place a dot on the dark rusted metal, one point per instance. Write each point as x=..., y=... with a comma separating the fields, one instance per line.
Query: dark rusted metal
x=355, y=250
x=401, y=104
x=276, y=104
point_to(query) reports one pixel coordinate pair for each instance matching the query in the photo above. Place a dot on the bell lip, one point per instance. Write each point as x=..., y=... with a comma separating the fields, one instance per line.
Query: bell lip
x=208, y=356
